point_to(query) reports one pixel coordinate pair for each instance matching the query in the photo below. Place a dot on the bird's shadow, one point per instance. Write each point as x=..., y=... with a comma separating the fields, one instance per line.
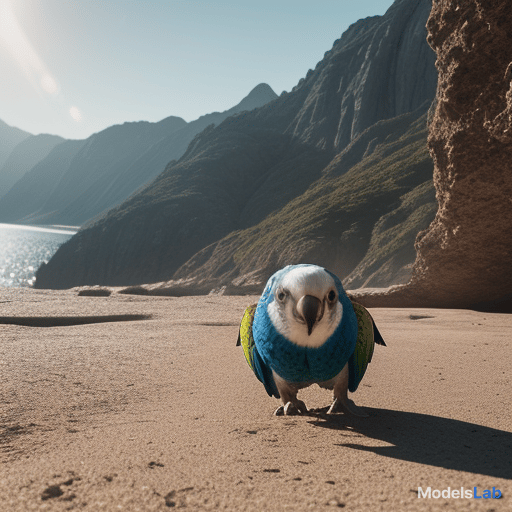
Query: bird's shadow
x=432, y=440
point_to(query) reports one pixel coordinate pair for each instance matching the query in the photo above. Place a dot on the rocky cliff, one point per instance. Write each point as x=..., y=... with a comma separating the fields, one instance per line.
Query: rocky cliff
x=380, y=68
x=271, y=163
x=463, y=258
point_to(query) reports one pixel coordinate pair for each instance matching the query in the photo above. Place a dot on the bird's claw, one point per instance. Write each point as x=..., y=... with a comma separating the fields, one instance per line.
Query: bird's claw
x=291, y=409
x=346, y=406
x=279, y=411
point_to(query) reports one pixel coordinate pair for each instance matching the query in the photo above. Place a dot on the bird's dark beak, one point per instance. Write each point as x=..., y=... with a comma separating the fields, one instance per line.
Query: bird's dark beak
x=310, y=306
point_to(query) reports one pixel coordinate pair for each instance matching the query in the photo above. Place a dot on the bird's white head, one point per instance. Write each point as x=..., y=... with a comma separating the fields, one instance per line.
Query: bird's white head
x=305, y=307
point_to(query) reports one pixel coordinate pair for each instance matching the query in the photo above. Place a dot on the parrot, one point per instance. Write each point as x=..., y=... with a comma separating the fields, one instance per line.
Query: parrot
x=305, y=330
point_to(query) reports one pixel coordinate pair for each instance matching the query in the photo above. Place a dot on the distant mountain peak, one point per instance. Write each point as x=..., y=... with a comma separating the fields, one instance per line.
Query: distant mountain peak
x=262, y=88
x=258, y=96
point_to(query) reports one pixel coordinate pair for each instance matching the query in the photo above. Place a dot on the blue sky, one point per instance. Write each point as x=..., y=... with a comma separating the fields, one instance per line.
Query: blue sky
x=74, y=67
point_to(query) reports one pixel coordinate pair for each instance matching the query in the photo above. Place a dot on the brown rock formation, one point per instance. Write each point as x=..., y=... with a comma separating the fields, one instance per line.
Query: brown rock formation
x=464, y=257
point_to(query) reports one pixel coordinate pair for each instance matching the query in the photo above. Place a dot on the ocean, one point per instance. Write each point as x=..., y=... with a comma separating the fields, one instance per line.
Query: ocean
x=24, y=248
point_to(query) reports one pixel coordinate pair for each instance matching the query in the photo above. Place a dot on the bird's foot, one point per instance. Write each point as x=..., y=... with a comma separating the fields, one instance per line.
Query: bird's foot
x=291, y=409
x=346, y=406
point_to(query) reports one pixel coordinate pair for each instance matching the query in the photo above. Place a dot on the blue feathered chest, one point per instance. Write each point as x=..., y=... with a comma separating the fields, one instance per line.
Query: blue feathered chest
x=295, y=363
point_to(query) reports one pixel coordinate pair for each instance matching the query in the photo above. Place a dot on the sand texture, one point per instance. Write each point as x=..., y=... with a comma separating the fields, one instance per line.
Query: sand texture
x=155, y=408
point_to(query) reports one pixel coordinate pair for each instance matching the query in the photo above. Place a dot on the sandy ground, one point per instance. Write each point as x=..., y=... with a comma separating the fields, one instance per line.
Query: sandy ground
x=163, y=412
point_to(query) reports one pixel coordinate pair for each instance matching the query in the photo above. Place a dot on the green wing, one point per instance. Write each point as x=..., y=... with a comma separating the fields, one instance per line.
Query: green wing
x=245, y=335
x=367, y=336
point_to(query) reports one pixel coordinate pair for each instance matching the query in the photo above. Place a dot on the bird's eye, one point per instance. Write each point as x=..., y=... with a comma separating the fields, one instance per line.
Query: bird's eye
x=281, y=295
x=331, y=296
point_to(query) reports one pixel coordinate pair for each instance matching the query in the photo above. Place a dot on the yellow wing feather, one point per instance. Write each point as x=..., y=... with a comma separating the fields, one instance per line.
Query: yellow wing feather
x=245, y=336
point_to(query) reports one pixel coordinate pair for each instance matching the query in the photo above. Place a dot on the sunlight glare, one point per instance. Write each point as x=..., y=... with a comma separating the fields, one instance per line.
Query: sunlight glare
x=75, y=114
x=17, y=43
x=49, y=84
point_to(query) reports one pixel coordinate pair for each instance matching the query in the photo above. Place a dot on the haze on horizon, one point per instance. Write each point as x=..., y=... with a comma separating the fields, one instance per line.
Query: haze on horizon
x=75, y=67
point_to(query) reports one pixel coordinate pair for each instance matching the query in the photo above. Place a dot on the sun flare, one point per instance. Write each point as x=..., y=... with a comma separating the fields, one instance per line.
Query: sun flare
x=75, y=114
x=49, y=84
x=19, y=46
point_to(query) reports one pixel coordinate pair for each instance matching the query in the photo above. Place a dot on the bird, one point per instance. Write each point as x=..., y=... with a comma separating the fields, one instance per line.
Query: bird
x=305, y=330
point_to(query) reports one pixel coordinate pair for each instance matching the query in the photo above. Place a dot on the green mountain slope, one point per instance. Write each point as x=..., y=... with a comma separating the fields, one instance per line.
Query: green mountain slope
x=357, y=221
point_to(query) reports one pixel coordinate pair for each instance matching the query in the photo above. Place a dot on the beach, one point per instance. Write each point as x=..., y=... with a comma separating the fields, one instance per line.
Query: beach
x=148, y=404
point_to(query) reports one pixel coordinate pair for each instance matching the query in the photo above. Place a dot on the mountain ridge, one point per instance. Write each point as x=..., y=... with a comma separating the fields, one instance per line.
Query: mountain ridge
x=23, y=157
x=10, y=137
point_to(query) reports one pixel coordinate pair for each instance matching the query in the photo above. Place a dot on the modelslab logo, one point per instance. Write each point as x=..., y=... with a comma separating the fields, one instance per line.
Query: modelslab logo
x=459, y=493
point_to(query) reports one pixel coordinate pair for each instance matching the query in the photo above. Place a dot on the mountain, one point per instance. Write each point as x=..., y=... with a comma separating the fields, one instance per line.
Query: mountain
x=110, y=166
x=357, y=220
x=175, y=145
x=23, y=157
x=102, y=155
x=275, y=181
x=116, y=187
x=10, y=137
x=44, y=177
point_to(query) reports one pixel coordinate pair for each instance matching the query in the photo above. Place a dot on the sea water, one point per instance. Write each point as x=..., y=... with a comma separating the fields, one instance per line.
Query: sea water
x=24, y=248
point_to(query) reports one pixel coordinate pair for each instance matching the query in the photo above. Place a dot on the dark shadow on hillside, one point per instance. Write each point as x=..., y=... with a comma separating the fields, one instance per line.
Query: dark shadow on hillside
x=432, y=440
